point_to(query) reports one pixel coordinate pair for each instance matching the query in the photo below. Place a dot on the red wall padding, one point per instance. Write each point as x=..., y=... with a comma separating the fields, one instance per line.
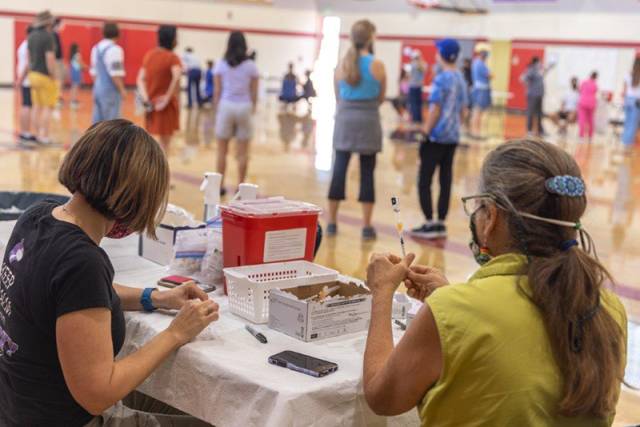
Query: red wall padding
x=135, y=42
x=520, y=58
x=428, y=51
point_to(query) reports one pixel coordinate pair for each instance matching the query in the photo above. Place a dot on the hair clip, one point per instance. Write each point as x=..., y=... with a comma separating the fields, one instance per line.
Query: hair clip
x=565, y=185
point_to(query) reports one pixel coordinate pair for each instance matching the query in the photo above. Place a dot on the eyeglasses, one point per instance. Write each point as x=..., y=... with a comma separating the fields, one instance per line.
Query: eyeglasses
x=473, y=203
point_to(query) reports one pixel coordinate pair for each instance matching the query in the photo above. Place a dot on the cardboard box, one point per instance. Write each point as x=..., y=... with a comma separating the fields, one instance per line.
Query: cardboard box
x=413, y=311
x=346, y=311
x=161, y=251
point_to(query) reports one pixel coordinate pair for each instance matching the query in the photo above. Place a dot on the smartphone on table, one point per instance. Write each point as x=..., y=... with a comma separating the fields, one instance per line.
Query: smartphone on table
x=174, y=281
x=302, y=363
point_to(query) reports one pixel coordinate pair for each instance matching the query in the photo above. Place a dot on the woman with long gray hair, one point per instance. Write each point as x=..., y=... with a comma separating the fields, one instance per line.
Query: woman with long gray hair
x=360, y=89
x=533, y=337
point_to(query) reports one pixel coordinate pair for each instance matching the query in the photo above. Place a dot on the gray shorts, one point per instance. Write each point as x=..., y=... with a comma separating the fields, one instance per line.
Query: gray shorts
x=234, y=119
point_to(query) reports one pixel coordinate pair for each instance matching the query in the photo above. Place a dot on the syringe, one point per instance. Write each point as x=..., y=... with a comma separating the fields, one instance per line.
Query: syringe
x=395, y=204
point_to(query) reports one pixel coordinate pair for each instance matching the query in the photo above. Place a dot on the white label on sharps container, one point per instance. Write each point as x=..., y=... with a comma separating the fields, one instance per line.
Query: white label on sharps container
x=285, y=244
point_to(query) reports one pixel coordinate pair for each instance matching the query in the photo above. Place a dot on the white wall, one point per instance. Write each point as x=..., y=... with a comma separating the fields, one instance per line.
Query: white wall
x=537, y=26
x=177, y=11
x=600, y=27
x=6, y=50
x=612, y=65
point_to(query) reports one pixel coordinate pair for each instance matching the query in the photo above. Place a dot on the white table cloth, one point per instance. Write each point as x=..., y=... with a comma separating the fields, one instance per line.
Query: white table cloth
x=223, y=376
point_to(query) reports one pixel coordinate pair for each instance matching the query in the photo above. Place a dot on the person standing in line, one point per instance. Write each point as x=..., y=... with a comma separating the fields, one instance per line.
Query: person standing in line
x=107, y=68
x=400, y=101
x=192, y=67
x=308, y=90
x=289, y=90
x=22, y=83
x=447, y=107
x=235, y=99
x=568, y=108
x=361, y=84
x=466, y=72
x=587, y=106
x=468, y=77
x=533, y=78
x=208, y=82
x=481, y=92
x=60, y=69
x=42, y=75
x=416, y=81
x=76, y=67
x=631, y=106
x=159, y=85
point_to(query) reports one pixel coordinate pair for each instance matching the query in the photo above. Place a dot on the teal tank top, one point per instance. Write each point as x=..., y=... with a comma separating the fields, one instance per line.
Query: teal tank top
x=367, y=89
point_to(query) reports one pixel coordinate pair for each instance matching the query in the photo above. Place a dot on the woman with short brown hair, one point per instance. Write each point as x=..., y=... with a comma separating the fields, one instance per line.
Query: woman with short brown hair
x=61, y=317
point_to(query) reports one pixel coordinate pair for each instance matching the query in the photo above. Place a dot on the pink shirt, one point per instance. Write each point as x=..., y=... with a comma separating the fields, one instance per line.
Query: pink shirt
x=588, y=90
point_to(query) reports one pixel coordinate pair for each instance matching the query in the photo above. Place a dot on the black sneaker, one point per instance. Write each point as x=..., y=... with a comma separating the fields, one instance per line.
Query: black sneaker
x=434, y=230
x=369, y=233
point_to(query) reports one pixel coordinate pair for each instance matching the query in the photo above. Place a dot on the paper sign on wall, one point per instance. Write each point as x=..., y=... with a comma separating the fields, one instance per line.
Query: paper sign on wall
x=285, y=245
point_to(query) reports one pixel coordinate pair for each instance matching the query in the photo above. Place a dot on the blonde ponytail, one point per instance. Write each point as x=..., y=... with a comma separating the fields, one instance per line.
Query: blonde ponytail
x=351, y=66
x=361, y=35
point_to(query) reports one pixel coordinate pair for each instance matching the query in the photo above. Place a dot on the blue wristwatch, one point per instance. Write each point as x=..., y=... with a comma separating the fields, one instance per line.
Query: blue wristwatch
x=145, y=300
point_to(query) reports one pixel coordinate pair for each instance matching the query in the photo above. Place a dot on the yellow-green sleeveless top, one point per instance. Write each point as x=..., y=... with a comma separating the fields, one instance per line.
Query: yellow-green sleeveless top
x=498, y=367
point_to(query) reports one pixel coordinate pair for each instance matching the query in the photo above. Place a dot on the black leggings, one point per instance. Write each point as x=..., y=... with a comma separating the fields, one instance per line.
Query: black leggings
x=434, y=155
x=338, y=180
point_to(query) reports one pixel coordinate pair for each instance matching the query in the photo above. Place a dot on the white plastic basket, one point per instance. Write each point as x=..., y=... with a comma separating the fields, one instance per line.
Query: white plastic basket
x=248, y=287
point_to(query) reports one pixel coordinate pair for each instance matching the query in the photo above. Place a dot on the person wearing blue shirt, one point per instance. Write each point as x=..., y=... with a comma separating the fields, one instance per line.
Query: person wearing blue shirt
x=447, y=106
x=481, y=92
x=289, y=91
x=208, y=82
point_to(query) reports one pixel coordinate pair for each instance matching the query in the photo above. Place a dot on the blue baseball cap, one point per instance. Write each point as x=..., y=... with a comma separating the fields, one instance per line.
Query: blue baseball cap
x=448, y=49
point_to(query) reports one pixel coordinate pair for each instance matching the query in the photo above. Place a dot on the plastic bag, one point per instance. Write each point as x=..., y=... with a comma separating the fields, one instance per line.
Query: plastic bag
x=188, y=252
x=176, y=216
x=212, y=263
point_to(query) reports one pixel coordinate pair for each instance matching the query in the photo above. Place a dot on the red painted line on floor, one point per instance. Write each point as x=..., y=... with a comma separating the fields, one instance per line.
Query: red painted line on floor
x=448, y=245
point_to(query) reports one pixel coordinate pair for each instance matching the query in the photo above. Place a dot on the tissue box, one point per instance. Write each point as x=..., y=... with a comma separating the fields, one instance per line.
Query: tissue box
x=161, y=251
x=346, y=311
x=413, y=311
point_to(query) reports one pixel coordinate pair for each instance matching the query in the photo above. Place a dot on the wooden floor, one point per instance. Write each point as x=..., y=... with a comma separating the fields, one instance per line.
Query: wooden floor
x=291, y=156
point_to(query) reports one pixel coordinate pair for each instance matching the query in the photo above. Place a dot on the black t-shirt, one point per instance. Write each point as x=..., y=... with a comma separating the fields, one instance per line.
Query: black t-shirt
x=50, y=268
x=58, y=45
x=40, y=42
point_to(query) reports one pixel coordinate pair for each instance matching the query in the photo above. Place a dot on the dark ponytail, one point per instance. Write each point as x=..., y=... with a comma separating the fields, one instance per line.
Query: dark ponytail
x=566, y=281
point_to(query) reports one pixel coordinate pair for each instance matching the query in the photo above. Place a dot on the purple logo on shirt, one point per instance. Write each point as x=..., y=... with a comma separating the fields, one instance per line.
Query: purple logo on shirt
x=7, y=346
x=17, y=252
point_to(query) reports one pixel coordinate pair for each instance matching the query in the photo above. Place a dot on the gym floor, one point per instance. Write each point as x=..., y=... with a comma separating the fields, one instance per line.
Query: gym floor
x=291, y=156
